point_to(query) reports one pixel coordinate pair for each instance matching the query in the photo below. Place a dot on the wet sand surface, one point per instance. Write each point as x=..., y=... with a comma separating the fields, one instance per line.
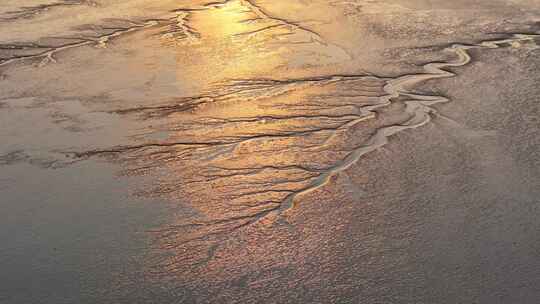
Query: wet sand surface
x=269, y=151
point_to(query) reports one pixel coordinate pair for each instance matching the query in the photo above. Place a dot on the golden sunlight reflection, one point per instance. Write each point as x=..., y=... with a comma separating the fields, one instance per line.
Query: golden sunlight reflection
x=250, y=147
x=269, y=151
x=238, y=40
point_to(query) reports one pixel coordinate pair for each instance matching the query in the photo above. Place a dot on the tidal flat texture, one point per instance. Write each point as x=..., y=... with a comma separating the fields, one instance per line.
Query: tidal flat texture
x=257, y=151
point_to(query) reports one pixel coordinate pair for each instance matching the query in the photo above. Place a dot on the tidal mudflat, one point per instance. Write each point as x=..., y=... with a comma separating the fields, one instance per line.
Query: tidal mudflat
x=255, y=151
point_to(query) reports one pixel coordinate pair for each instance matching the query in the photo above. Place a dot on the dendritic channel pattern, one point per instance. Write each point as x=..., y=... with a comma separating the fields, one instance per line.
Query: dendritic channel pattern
x=247, y=151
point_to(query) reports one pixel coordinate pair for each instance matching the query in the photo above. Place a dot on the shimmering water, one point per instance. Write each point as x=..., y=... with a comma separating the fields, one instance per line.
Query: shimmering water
x=269, y=152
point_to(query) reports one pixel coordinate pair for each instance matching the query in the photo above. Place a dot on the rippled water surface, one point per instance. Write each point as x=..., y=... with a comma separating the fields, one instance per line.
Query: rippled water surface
x=253, y=151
